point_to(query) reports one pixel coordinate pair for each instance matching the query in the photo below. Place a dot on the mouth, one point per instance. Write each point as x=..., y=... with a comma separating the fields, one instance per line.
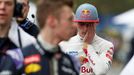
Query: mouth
x=2, y=14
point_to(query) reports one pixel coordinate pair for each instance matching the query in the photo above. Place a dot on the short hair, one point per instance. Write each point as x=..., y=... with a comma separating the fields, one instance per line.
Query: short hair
x=50, y=7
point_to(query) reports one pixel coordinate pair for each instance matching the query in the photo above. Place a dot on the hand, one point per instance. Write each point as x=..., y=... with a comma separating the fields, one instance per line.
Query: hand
x=88, y=38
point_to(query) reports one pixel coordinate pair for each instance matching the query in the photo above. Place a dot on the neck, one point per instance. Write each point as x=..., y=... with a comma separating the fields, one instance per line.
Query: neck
x=4, y=30
x=49, y=37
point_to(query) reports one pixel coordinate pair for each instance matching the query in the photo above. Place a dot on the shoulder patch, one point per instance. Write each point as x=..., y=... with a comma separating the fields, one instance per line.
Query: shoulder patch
x=17, y=57
x=32, y=58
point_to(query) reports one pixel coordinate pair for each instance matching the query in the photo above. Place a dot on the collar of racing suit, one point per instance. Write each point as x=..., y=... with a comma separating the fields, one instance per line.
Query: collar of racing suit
x=50, y=51
x=26, y=39
x=47, y=46
x=81, y=39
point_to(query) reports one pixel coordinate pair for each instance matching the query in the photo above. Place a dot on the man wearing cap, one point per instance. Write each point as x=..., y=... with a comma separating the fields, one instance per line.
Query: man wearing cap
x=94, y=52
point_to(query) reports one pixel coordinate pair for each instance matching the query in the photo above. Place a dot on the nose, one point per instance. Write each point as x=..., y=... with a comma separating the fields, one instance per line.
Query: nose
x=85, y=27
x=2, y=5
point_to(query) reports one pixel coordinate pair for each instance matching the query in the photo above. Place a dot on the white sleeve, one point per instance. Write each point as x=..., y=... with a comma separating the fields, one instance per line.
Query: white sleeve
x=100, y=62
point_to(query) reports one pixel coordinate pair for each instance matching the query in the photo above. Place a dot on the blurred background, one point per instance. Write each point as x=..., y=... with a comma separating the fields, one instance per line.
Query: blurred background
x=116, y=25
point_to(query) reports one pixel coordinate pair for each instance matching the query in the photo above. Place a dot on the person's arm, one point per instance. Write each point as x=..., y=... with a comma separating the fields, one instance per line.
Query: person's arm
x=7, y=66
x=17, y=59
x=100, y=62
x=76, y=64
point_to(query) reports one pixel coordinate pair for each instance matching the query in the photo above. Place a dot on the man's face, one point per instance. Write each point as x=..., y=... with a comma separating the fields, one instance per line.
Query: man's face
x=65, y=28
x=84, y=27
x=25, y=10
x=6, y=11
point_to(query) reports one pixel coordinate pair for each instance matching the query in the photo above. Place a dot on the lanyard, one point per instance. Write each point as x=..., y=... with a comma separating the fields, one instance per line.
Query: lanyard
x=19, y=38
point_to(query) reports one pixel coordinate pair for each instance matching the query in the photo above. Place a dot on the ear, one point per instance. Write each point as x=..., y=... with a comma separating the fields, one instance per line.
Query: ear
x=75, y=24
x=51, y=21
x=28, y=8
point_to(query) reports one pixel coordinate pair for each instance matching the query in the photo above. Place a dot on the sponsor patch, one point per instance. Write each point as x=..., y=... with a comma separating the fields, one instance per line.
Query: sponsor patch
x=73, y=53
x=84, y=69
x=85, y=12
x=85, y=51
x=32, y=68
x=31, y=59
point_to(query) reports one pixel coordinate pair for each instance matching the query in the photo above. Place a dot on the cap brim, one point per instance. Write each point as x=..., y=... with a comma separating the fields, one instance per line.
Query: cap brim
x=96, y=21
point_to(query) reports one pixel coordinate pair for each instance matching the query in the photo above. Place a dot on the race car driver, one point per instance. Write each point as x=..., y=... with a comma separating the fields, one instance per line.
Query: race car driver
x=94, y=52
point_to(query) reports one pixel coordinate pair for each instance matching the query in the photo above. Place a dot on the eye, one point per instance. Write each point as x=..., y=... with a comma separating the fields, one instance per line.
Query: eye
x=9, y=3
x=71, y=18
x=80, y=23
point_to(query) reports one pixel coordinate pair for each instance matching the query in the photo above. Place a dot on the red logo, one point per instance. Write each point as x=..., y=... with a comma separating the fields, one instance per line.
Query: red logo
x=83, y=60
x=85, y=51
x=85, y=13
x=31, y=59
x=109, y=52
x=86, y=70
x=109, y=57
x=112, y=48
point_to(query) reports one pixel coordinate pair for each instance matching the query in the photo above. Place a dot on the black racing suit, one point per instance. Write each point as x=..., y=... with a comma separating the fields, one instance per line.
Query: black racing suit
x=38, y=61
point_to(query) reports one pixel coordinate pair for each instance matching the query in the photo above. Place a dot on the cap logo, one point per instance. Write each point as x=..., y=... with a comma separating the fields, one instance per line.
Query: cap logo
x=85, y=13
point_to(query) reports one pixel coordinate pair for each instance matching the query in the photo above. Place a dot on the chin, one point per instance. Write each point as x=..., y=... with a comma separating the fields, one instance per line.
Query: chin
x=2, y=22
x=65, y=39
